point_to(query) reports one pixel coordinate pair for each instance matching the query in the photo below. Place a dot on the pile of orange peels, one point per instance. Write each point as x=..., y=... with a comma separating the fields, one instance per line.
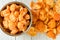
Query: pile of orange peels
x=46, y=18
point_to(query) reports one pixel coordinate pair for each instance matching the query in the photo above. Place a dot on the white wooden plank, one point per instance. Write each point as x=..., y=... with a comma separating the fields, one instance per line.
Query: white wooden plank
x=41, y=37
x=27, y=37
x=3, y=2
x=23, y=37
x=44, y=37
x=20, y=37
x=27, y=2
x=58, y=37
x=4, y=36
x=19, y=0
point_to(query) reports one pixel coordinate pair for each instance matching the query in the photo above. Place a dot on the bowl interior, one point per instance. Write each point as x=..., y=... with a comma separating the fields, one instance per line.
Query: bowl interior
x=1, y=18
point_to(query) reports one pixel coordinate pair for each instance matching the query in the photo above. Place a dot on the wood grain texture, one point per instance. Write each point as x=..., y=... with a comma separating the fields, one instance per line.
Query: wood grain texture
x=3, y=2
x=4, y=36
x=27, y=2
x=23, y=37
x=41, y=37
x=58, y=37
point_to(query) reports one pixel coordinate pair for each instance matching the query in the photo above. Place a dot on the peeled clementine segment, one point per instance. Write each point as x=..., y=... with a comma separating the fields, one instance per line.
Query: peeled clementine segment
x=53, y=30
x=35, y=5
x=16, y=14
x=32, y=31
x=40, y=26
x=56, y=16
x=57, y=6
x=42, y=15
x=5, y=13
x=52, y=23
x=13, y=7
x=49, y=2
x=14, y=31
x=5, y=23
x=51, y=34
x=58, y=29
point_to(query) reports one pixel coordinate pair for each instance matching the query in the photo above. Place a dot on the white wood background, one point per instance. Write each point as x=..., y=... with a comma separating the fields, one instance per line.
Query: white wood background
x=3, y=36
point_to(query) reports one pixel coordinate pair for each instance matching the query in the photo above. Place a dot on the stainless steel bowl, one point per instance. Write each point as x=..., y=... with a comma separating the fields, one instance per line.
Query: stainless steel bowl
x=1, y=18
